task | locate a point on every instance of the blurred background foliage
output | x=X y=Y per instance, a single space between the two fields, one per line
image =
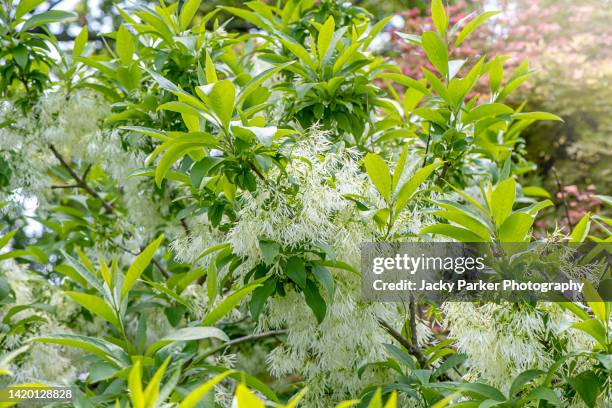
x=567 y=43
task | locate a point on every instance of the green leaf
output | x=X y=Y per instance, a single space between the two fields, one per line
x=515 y=228
x=325 y=278
x=297 y=50
x=151 y=392
x=535 y=191
x=472 y=25
x=451 y=231
x=588 y=386
x=96 y=306
x=296 y=271
x=326 y=34
x=502 y=201
x=255 y=83
x=192 y=399
x=545 y=394
x=379 y=173
x=524 y=378
x=25 y=6
x=221 y=100
x=400 y=355
x=482 y=390
x=439 y=16
x=79 y=42
x=466 y=220
x=594 y=328
x=314 y=300
x=135 y=385
x=496 y=73
x=83 y=273
x=405 y=80
x=269 y=251
x=260 y=296
x=124 y=45
x=581 y=230
x=536 y=116
x=595 y=302
x=138 y=265
x=189 y=10
x=51 y=16
x=211 y=73
x=230 y=302
x=6 y=238
x=436 y=51
x=99 y=347
x=487 y=110
x=188 y=334
x=410 y=187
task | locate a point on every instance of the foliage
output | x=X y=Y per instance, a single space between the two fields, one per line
x=201 y=194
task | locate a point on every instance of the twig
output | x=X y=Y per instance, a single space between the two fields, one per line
x=68 y=186
x=80 y=181
x=185 y=226
x=563 y=197
x=239 y=340
x=427 y=146
x=411 y=345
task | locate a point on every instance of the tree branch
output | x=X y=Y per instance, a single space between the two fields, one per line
x=411 y=345
x=80 y=181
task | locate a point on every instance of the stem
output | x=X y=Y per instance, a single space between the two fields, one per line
x=427 y=146
x=80 y=181
x=563 y=197
x=239 y=340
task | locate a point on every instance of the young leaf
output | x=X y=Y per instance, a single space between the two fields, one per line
x=472 y=25
x=581 y=230
x=515 y=228
x=151 y=392
x=326 y=34
x=51 y=16
x=439 y=16
x=211 y=73
x=192 y=399
x=138 y=265
x=379 y=173
x=135 y=386
x=124 y=45
x=188 y=334
x=451 y=231
x=96 y=306
x=502 y=201
x=189 y=10
x=79 y=42
x=407 y=190
x=230 y=302
x=246 y=399
x=537 y=116
x=25 y=6
x=436 y=51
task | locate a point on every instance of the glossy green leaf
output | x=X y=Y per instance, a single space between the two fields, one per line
x=379 y=174
x=472 y=25
x=439 y=16
x=124 y=45
x=436 y=51
x=95 y=305
x=51 y=16
x=139 y=265
x=189 y=10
